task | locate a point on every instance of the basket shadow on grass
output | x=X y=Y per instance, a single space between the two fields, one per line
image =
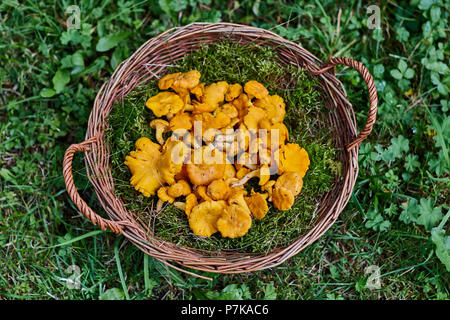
x=129 y=120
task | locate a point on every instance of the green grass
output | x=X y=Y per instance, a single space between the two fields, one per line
x=304 y=108
x=395 y=219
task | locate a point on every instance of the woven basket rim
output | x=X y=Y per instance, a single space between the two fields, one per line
x=147 y=63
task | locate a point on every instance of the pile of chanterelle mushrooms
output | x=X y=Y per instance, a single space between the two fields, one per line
x=222 y=135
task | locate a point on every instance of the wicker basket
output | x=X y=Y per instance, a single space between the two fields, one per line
x=148 y=63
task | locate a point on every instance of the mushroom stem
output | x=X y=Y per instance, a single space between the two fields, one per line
x=180 y=205
x=244 y=179
x=159 y=136
x=159 y=205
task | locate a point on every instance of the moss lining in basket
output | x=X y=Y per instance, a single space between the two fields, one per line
x=149 y=63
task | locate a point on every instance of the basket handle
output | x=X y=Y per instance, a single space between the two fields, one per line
x=373 y=97
x=104 y=224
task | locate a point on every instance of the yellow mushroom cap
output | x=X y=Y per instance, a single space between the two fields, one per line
x=257 y=204
x=282 y=198
x=255 y=89
x=142 y=164
x=268 y=187
x=234 y=90
x=274 y=107
x=294 y=158
x=290 y=180
x=181 y=121
x=201 y=193
x=211 y=166
x=213 y=95
x=234 y=222
x=181 y=188
x=187 y=80
x=171 y=161
x=218 y=190
x=253 y=117
x=164 y=196
x=164 y=103
x=204 y=216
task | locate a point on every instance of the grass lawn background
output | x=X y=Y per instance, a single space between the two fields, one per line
x=395 y=223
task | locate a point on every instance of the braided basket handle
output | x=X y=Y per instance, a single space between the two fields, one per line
x=75 y=196
x=373 y=97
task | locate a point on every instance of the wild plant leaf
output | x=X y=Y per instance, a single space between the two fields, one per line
x=411 y=162
x=111 y=41
x=410 y=211
x=442 y=242
x=429 y=215
x=60 y=80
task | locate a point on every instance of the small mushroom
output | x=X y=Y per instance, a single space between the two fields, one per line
x=181 y=121
x=234 y=222
x=234 y=90
x=257 y=204
x=294 y=158
x=268 y=187
x=282 y=198
x=164 y=103
x=160 y=126
x=201 y=193
x=253 y=117
x=191 y=202
x=178 y=81
x=237 y=198
x=255 y=89
x=218 y=190
x=163 y=197
x=181 y=188
x=274 y=107
x=290 y=180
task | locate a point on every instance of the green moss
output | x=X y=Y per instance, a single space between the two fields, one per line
x=129 y=120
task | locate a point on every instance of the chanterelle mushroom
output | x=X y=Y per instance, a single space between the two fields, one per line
x=274 y=107
x=257 y=204
x=234 y=90
x=282 y=198
x=181 y=188
x=143 y=166
x=263 y=173
x=171 y=161
x=234 y=222
x=294 y=158
x=203 y=171
x=178 y=81
x=164 y=103
x=290 y=180
x=181 y=121
x=160 y=126
x=203 y=217
x=213 y=95
x=218 y=190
